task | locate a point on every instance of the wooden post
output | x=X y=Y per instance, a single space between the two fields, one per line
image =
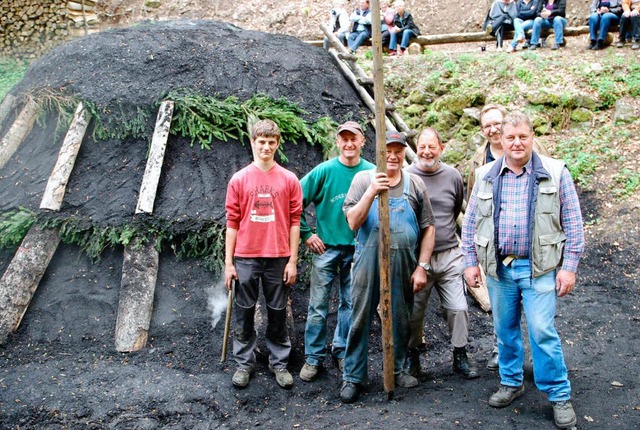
x=57 y=184
x=21 y=279
x=383 y=198
x=152 y=171
x=18 y=131
x=137 y=289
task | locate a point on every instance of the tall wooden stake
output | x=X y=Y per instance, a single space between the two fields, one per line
x=381 y=163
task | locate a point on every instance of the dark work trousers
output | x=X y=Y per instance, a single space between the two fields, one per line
x=252 y=272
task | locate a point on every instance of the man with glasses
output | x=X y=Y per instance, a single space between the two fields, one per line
x=523 y=224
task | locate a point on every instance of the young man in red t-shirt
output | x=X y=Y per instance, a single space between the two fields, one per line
x=263 y=204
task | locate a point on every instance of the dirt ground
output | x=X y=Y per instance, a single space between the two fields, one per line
x=61 y=371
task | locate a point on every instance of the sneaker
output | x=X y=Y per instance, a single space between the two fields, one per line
x=400 y=52
x=405 y=380
x=393 y=52
x=241 y=378
x=592 y=44
x=620 y=44
x=492 y=362
x=505 y=396
x=526 y=44
x=499 y=49
x=283 y=377
x=308 y=372
x=341 y=365
x=462 y=366
x=636 y=45
x=489 y=29
x=555 y=47
x=509 y=49
x=349 y=392
x=599 y=45
x=563 y=414
x=533 y=47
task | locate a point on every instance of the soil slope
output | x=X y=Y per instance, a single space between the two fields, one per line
x=60 y=370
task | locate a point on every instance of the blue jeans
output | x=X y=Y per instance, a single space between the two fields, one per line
x=334 y=262
x=514 y=290
x=599 y=25
x=406 y=36
x=558 y=24
x=356 y=39
x=520 y=29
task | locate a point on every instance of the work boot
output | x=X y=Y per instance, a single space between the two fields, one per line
x=555 y=47
x=283 y=377
x=620 y=44
x=563 y=414
x=308 y=372
x=505 y=396
x=412 y=363
x=492 y=362
x=462 y=365
x=349 y=392
x=405 y=380
x=241 y=378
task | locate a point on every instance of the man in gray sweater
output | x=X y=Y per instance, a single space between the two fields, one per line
x=444 y=184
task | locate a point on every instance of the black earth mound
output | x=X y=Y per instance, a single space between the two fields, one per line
x=130 y=69
x=61 y=371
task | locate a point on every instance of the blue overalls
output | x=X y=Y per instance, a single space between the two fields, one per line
x=365 y=282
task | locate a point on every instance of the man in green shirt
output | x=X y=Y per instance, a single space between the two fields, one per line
x=332 y=245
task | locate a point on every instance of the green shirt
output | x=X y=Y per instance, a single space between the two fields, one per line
x=326 y=187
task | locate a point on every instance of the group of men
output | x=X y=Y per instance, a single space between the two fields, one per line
x=522 y=225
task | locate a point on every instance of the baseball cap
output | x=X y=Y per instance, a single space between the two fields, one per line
x=351 y=126
x=396 y=137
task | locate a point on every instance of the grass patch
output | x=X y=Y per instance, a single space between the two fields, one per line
x=11 y=71
x=14 y=225
x=628 y=182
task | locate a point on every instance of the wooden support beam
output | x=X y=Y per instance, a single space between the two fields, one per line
x=366 y=98
x=152 y=171
x=18 y=131
x=21 y=279
x=6 y=106
x=365 y=81
x=137 y=290
x=57 y=184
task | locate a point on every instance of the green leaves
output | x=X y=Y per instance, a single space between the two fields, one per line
x=14 y=225
x=204 y=118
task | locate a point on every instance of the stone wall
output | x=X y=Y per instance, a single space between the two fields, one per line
x=30 y=27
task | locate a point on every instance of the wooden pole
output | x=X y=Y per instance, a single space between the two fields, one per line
x=381 y=163
x=18 y=131
x=59 y=178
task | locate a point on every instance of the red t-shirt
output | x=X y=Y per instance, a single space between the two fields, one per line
x=263 y=206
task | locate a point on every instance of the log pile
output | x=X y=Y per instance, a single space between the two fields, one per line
x=29 y=28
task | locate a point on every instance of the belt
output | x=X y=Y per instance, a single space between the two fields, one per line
x=508 y=259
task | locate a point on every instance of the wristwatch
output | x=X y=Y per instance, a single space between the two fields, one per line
x=425 y=266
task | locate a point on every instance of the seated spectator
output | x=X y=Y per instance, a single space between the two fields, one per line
x=499 y=19
x=551 y=14
x=527 y=12
x=338 y=23
x=403 y=28
x=630 y=21
x=604 y=14
x=361 y=30
x=387 y=13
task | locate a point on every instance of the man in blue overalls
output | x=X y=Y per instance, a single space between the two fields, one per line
x=412 y=232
